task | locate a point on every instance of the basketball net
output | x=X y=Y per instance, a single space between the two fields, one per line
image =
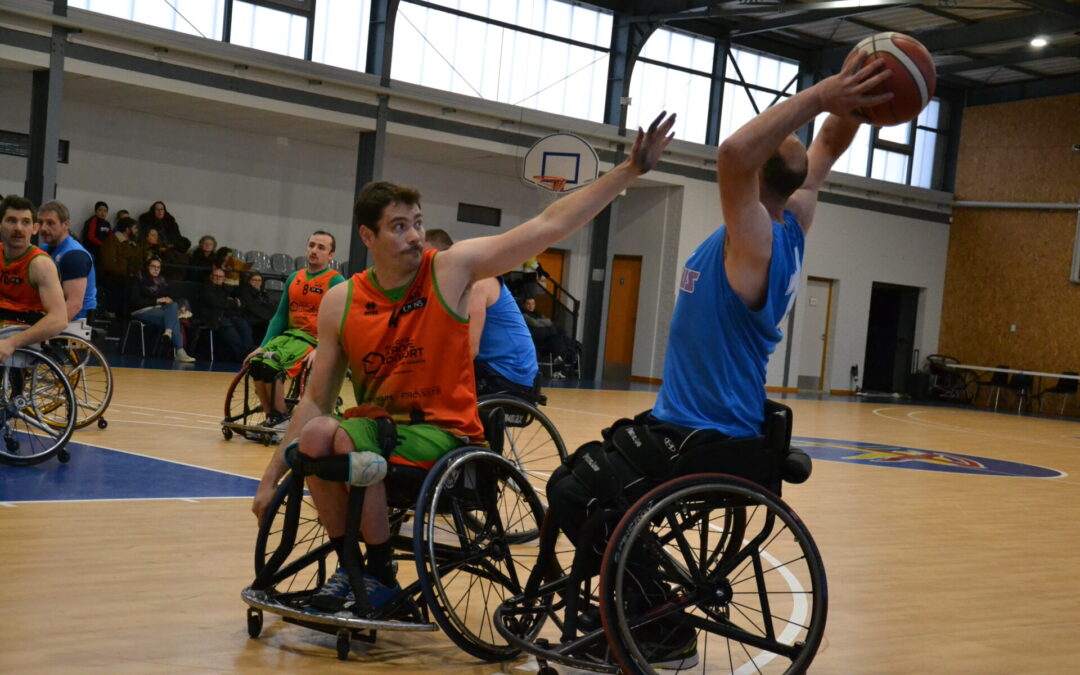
x=550 y=188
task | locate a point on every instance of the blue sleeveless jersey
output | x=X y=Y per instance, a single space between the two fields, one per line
x=506 y=344
x=67 y=246
x=714 y=371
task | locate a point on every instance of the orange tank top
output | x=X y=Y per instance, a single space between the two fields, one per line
x=17 y=293
x=411 y=356
x=306 y=293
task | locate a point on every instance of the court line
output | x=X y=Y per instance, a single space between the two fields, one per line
x=159 y=424
x=164 y=410
x=191 y=500
x=949 y=427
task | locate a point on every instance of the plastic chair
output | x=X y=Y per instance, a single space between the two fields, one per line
x=282 y=264
x=1021 y=386
x=1065 y=387
x=300 y=262
x=996 y=383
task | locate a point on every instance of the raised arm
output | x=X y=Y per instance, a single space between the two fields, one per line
x=467 y=261
x=829 y=143
x=484 y=293
x=320 y=394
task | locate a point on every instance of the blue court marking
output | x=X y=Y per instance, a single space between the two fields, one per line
x=96 y=473
x=899 y=457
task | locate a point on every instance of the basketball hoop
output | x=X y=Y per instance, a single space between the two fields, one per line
x=557 y=183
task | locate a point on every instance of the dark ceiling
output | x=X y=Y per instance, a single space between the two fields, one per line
x=981 y=47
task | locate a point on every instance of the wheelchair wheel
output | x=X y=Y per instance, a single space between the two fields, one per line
x=304 y=566
x=477 y=520
x=37 y=408
x=530 y=440
x=89 y=373
x=709 y=567
x=241 y=403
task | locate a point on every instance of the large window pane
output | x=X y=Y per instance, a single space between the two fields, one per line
x=922 y=172
x=341 y=33
x=467 y=56
x=655 y=88
x=268 y=29
x=890 y=166
x=549 y=16
x=899 y=133
x=930 y=114
x=195 y=17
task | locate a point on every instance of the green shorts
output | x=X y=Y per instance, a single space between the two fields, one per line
x=418 y=444
x=289 y=349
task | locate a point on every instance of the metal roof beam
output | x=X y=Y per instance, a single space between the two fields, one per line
x=1013 y=56
x=1060 y=7
x=805 y=17
x=1019 y=91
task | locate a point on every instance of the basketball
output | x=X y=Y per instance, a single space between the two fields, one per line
x=912 y=81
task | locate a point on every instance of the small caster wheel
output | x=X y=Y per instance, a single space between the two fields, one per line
x=344 y=644
x=227 y=433
x=254 y=621
x=547 y=670
x=102 y=423
x=64 y=456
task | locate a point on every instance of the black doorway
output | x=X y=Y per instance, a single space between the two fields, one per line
x=890 y=337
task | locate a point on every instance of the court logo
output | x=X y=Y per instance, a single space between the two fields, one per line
x=875 y=454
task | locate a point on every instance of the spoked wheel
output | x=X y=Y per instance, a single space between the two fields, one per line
x=37 y=408
x=478 y=521
x=241 y=402
x=303 y=567
x=709 y=569
x=90 y=376
x=530 y=440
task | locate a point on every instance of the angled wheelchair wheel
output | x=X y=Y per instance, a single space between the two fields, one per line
x=37 y=409
x=710 y=569
x=530 y=440
x=242 y=407
x=478 y=522
x=89 y=373
x=302 y=565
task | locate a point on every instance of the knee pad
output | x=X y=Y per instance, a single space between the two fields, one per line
x=263 y=372
x=360 y=469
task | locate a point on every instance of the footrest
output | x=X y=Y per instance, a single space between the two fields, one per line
x=268 y=603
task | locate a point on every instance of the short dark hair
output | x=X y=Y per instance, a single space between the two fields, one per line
x=56 y=207
x=375 y=197
x=98 y=205
x=440 y=239
x=17 y=203
x=781 y=178
x=333 y=242
x=205 y=237
x=126 y=223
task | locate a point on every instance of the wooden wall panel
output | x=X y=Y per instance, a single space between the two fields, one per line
x=1008 y=266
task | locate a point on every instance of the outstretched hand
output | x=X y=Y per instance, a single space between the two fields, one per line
x=851 y=89
x=649 y=145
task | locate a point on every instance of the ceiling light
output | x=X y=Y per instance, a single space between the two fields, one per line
x=1038 y=42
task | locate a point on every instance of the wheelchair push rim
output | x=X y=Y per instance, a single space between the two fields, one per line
x=37 y=409
x=734 y=576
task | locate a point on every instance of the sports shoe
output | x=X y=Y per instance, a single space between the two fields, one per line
x=378 y=593
x=675 y=647
x=336 y=594
x=166 y=334
x=182 y=357
x=184 y=314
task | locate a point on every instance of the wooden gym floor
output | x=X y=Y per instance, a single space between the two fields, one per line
x=929 y=571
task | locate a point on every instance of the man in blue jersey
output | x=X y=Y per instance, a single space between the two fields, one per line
x=74 y=262
x=502 y=348
x=735 y=291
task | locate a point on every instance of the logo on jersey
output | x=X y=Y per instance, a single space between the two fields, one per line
x=419 y=303
x=898 y=457
x=11 y=280
x=371 y=308
x=689 y=278
x=401 y=351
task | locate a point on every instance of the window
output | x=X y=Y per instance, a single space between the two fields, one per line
x=195 y=17
x=754 y=82
x=672 y=73
x=563 y=73
x=268 y=29
x=341 y=33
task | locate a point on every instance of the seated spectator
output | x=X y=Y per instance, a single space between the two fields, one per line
x=96 y=230
x=233 y=266
x=255 y=304
x=203 y=259
x=151 y=303
x=153 y=246
x=547 y=336
x=159 y=217
x=221 y=312
x=120 y=216
x=176 y=259
x=121 y=260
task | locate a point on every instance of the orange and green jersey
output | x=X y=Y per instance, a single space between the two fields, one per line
x=299 y=306
x=409 y=353
x=18 y=295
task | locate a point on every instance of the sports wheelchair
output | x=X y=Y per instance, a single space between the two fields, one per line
x=949 y=383
x=529 y=439
x=37 y=406
x=469 y=525
x=706 y=572
x=244 y=413
x=88 y=371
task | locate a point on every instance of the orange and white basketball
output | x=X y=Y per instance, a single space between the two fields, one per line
x=913 y=77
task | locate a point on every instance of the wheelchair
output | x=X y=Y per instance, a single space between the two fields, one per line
x=244 y=413
x=530 y=440
x=37 y=407
x=706 y=572
x=948 y=383
x=87 y=370
x=469 y=528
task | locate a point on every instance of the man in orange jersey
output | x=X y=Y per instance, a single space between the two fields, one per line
x=293 y=333
x=30 y=291
x=402 y=327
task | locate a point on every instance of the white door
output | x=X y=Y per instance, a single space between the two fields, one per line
x=815 y=333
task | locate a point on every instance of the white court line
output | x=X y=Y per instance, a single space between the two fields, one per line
x=136 y=412
x=7 y=505
x=159 y=424
x=126 y=499
x=178 y=419
x=948 y=427
x=165 y=410
x=170 y=461
x=580 y=412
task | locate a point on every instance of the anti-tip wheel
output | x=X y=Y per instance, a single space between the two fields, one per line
x=227 y=433
x=344 y=644
x=102 y=423
x=64 y=456
x=254 y=622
